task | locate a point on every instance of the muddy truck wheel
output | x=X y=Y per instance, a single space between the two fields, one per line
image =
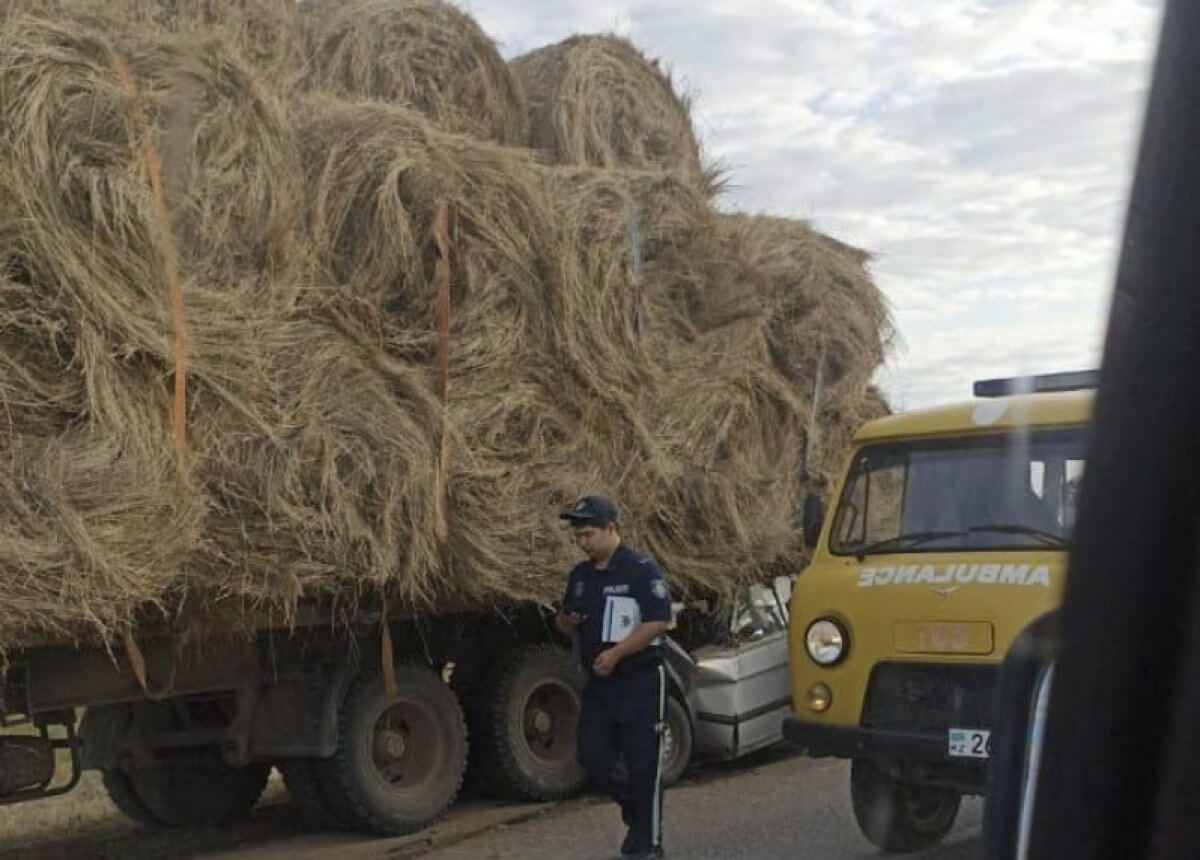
x=187 y=792
x=303 y=784
x=177 y=791
x=102 y=727
x=524 y=720
x=400 y=759
x=896 y=816
x=119 y=788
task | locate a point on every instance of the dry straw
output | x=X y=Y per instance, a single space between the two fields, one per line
x=264 y=33
x=756 y=305
x=425 y=54
x=596 y=100
x=87 y=336
x=602 y=327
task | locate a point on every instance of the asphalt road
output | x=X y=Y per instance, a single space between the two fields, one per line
x=778 y=810
x=774 y=805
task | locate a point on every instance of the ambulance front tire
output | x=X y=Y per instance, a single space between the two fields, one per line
x=896 y=816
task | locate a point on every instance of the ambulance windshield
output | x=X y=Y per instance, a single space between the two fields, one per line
x=1014 y=491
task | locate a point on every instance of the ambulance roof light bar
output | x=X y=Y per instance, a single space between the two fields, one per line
x=1075 y=380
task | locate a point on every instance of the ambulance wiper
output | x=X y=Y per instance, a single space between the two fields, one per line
x=1048 y=538
x=903 y=541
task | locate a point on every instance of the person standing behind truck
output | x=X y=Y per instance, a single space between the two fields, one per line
x=618 y=603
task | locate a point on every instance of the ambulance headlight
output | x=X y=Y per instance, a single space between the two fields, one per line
x=826 y=642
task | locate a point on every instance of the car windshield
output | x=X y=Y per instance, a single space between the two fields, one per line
x=998 y=492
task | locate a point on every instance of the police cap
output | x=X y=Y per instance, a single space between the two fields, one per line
x=591 y=511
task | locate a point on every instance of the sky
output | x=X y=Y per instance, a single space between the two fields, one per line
x=981 y=150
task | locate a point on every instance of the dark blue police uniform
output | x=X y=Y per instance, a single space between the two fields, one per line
x=622 y=715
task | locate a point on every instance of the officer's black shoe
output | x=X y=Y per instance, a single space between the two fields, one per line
x=629 y=849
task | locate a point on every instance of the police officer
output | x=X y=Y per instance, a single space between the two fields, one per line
x=618 y=605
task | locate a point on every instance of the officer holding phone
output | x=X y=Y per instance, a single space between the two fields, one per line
x=618 y=607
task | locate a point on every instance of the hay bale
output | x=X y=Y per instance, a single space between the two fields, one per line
x=380 y=171
x=849 y=322
x=839 y=421
x=604 y=311
x=597 y=100
x=71 y=163
x=750 y=308
x=874 y=405
x=78 y=223
x=335 y=494
x=264 y=33
x=92 y=527
x=789 y=299
x=322 y=443
x=358 y=488
x=422 y=53
x=86 y=350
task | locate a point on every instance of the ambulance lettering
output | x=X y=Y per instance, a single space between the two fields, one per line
x=960 y=574
x=989 y=573
x=1014 y=574
x=1040 y=576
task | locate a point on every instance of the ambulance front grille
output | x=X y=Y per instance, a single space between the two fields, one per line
x=929 y=698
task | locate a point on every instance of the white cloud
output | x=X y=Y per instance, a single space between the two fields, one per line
x=982 y=149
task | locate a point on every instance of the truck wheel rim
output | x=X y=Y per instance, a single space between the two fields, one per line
x=407 y=747
x=548 y=720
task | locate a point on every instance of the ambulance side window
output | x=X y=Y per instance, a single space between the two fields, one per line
x=850 y=524
x=873 y=508
x=885 y=512
x=1057 y=482
x=1037 y=478
x=1074 y=483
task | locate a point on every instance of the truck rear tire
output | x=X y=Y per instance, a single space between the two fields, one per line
x=400 y=759
x=187 y=792
x=677 y=742
x=896 y=816
x=192 y=790
x=119 y=788
x=524 y=725
x=304 y=788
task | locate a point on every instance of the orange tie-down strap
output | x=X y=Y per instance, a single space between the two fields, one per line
x=387 y=656
x=137 y=662
x=158 y=202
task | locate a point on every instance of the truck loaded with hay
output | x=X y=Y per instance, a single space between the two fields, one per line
x=312 y=318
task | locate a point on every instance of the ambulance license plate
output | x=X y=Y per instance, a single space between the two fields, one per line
x=970 y=743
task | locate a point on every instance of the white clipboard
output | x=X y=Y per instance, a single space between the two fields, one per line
x=622 y=616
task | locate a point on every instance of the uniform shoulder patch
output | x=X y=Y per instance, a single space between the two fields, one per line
x=659 y=588
x=643 y=560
